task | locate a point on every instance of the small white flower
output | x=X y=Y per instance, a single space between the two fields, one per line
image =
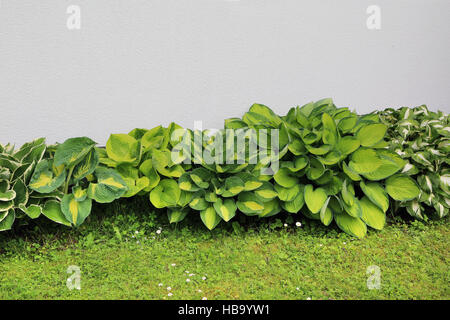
x=132 y=236
x=298 y=224
x=199 y=290
x=169 y=288
x=160 y=285
x=170 y=294
x=320 y=245
x=297 y=288
x=203 y=278
x=154 y=237
x=345 y=242
x=192 y=274
x=136 y=232
x=137 y=241
x=173 y=264
x=309 y=298
x=285 y=224
x=188 y=280
x=204 y=298
x=186 y=271
x=158 y=231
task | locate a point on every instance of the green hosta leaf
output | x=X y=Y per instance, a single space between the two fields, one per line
x=326 y=215
x=79 y=193
x=261 y=114
x=166 y=194
x=153 y=138
x=185 y=183
x=33 y=211
x=354 y=209
x=294 y=205
x=401 y=188
x=348 y=145
x=249 y=203
x=285 y=178
x=109 y=187
x=375 y=192
x=225 y=209
x=86 y=166
x=315 y=199
x=297 y=147
x=210 y=218
x=250 y=181
x=319 y=150
x=444 y=183
x=146 y=168
x=200 y=177
x=365 y=161
x=351 y=225
x=316 y=169
x=47 y=178
x=390 y=164
x=123 y=148
x=177 y=214
x=371 y=134
x=372 y=215
x=7 y=222
x=266 y=192
x=347 y=124
x=72 y=151
x=75 y=211
x=350 y=173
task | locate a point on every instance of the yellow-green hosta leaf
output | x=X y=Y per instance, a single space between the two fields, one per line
x=285 y=178
x=288 y=194
x=249 y=204
x=266 y=192
x=371 y=134
x=210 y=218
x=365 y=161
x=251 y=182
x=47 y=178
x=315 y=199
x=177 y=214
x=350 y=173
x=7 y=222
x=372 y=215
x=72 y=151
x=233 y=186
x=295 y=204
x=75 y=211
x=326 y=215
x=354 y=209
x=346 y=124
x=351 y=225
x=198 y=202
x=153 y=138
x=185 y=183
x=225 y=209
x=33 y=210
x=348 y=145
x=319 y=150
x=123 y=148
x=391 y=163
x=146 y=168
x=401 y=187
x=316 y=169
x=376 y=193
x=166 y=194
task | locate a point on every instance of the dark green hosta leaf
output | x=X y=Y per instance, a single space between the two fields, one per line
x=33 y=211
x=8 y=195
x=46 y=177
x=21 y=193
x=401 y=187
x=177 y=214
x=75 y=211
x=8 y=220
x=72 y=151
x=109 y=187
x=86 y=166
x=233 y=186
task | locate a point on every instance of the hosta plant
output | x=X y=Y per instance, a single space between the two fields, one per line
x=70 y=179
x=17 y=201
x=422 y=138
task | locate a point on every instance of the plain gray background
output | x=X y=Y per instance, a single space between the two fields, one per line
x=143 y=63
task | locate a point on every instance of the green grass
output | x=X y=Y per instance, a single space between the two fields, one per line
x=264 y=261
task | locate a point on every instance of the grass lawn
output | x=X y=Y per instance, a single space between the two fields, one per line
x=121 y=256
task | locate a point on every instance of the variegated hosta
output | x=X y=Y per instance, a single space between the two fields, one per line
x=422 y=138
x=16 y=168
x=143 y=158
x=71 y=178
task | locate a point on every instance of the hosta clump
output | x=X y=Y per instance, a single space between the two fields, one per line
x=335 y=164
x=17 y=201
x=69 y=178
x=422 y=138
x=217 y=188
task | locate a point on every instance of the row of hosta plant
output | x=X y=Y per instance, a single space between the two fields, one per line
x=334 y=166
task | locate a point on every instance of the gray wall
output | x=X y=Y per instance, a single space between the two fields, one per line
x=143 y=63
